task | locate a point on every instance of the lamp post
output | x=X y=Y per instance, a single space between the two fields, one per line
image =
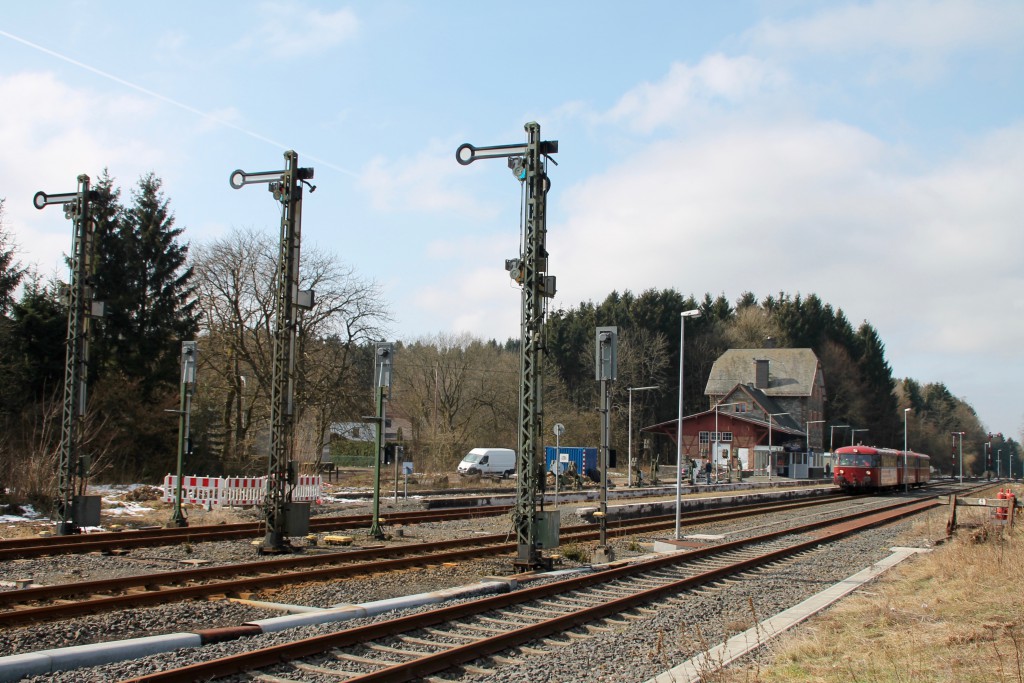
x=629 y=439
x=771 y=456
x=999 y=463
x=679 y=425
x=853 y=433
x=906 y=484
x=832 y=440
x=808 y=444
x=718 y=436
x=961 y=456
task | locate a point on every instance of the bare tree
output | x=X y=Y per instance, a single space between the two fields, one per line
x=235 y=279
x=458 y=392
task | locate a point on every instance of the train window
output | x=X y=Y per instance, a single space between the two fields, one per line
x=857 y=460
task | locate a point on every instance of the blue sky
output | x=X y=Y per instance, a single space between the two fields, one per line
x=869 y=152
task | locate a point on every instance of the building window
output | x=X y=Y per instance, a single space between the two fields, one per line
x=740 y=407
x=708 y=437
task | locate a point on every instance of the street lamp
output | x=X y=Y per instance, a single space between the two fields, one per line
x=629 y=446
x=832 y=441
x=961 y=435
x=808 y=444
x=906 y=484
x=853 y=433
x=999 y=463
x=771 y=456
x=679 y=426
x=714 y=456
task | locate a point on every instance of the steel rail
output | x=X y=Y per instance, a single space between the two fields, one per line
x=16 y=548
x=433 y=663
x=164 y=587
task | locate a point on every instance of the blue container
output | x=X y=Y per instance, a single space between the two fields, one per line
x=585 y=458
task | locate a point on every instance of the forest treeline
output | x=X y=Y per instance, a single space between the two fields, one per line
x=453 y=391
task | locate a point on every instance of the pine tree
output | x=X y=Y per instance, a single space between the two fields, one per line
x=11 y=274
x=11 y=271
x=143 y=278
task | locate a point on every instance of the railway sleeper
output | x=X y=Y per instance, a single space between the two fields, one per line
x=372 y=661
x=578 y=636
x=555 y=643
x=387 y=649
x=267 y=678
x=482 y=629
x=565 y=599
x=428 y=643
x=512 y=622
x=314 y=669
x=550 y=612
x=450 y=634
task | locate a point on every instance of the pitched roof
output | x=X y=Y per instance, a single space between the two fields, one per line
x=783 y=421
x=790 y=371
x=669 y=426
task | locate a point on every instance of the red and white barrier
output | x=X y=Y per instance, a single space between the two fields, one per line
x=235 y=491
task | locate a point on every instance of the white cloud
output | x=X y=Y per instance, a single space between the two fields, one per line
x=63 y=131
x=808 y=206
x=423 y=182
x=290 y=30
x=685 y=89
x=905 y=37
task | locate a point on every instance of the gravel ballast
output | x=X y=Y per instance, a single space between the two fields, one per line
x=632 y=652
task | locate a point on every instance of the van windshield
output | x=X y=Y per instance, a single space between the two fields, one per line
x=472 y=457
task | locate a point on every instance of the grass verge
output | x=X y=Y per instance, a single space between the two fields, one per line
x=955 y=615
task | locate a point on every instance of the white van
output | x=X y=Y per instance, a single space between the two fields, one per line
x=499 y=462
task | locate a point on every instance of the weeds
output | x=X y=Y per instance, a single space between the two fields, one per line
x=575 y=553
x=952 y=616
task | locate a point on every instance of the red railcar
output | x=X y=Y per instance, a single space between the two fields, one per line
x=863 y=468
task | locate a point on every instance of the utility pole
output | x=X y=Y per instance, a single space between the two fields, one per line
x=74 y=509
x=188 y=388
x=382 y=386
x=286 y=186
x=528 y=163
x=606 y=371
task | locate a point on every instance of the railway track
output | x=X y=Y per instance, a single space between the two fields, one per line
x=47 y=603
x=542 y=616
x=109 y=541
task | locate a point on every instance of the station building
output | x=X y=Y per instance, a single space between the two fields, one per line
x=765 y=412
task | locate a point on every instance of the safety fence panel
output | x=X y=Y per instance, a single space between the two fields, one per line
x=236 y=491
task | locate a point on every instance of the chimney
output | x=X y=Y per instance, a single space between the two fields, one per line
x=761 y=373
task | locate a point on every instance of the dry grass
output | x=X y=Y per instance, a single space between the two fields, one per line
x=954 y=615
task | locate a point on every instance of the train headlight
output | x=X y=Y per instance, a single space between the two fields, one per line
x=868 y=473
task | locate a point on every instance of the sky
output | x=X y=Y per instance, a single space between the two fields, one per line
x=871 y=153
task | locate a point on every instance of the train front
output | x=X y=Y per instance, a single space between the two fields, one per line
x=857 y=469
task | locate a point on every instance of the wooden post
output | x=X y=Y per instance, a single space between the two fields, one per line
x=951 y=523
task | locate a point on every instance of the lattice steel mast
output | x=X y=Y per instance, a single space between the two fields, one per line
x=286 y=186
x=530 y=270
x=80 y=304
